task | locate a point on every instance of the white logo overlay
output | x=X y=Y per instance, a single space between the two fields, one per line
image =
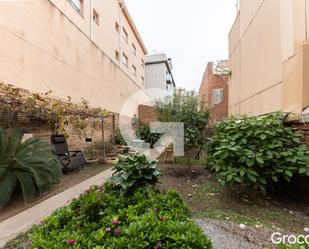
x=279 y=238
x=172 y=133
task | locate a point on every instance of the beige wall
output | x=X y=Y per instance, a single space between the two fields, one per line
x=47 y=45
x=306 y=77
x=267 y=71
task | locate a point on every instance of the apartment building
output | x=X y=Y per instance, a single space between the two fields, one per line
x=87 y=49
x=159 y=72
x=269 y=58
x=213 y=92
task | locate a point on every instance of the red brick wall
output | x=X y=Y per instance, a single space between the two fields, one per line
x=210 y=82
x=147 y=114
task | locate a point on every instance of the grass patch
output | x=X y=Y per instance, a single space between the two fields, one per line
x=190 y=161
x=224 y=204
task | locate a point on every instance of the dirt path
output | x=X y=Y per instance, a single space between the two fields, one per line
x=225 y=235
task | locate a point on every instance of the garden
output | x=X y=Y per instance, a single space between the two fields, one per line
x=238 y=182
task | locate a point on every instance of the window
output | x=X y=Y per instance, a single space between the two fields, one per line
x=133 y=49
x=143 y=80
x=96 y=17
x=134 y=69
x=217 y=96
x=77 y=5
x=143 y=63
x=125 y=59
x=117 y=56
x=117 y=27
x=125 y=35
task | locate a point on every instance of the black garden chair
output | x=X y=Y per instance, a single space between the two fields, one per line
x=71 y=160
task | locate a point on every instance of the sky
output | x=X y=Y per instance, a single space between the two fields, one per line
x=191 y=32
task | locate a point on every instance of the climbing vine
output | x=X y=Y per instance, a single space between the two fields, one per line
x=58 y=114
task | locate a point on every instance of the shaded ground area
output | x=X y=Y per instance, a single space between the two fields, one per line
x=207 y=199
x=17 y=204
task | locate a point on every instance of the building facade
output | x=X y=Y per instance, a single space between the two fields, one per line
x=213 y=91
x=87 y=49
x=269 y=58
x=158 y=73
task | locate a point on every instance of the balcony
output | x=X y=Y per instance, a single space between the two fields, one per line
x=169 y=79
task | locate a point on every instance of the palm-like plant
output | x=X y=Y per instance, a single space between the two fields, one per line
x=27 y=165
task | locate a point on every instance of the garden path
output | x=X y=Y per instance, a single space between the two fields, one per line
x=226 y=235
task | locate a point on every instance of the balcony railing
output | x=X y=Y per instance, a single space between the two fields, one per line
x=169 y=79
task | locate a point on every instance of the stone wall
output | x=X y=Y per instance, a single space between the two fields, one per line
x=93 y=131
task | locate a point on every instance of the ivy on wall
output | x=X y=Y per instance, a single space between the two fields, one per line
x=54 y=113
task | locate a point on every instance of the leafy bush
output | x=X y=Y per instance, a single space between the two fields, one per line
x=26 y=165
x=133 y=172
x=186 y=108
x=119 y=140
x=143 y=133
x=257 y=151
x=147 y=219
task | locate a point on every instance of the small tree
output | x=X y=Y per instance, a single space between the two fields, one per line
x=184 y=106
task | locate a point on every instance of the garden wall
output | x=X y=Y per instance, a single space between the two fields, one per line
x=147 y=114
x=93 y=129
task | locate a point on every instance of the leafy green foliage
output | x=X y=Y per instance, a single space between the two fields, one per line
x=143 y=133
x=26 y=165
x=186 y=108
x=294 y=246
x=133 y=172
x=42 y=107
x=119 y=140
x=147 y=219
x=257 y=151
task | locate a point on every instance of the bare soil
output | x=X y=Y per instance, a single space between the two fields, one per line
x=207 y=198
x=17 y=205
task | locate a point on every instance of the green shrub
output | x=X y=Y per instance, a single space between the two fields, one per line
x=257 y=151
x=147 y=219
x=185 y=107
x=143 y=133
x=26 y=165
x=133 y=172
x=119 y=140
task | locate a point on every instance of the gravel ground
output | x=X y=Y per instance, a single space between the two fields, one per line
x=225 y=235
